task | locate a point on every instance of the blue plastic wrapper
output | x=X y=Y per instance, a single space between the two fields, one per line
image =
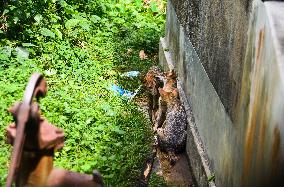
x=121 y=91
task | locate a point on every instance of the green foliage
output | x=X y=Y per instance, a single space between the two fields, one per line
x=157 y=181
x=81 y=48
x=211 y=178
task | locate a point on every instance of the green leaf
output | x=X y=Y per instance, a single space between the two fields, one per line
x=47 y=32
x=71 y=23
x=86 y=167
x=154 y=6
x=117 y=130
x=95 y=18
x=12 y=7
x=16 y=19
x=11 y=88
x=22 y=52
x=211 y=178
x=6 y=50
x=88 y=121
x=138 y=3
x=85 y=26
x=38 y=18
x=105 y=106
x=5 y=11
x=50 y=72
x=58 y=33
x=28 y=14
x=28 y=45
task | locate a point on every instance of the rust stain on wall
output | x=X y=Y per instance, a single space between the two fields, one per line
x=255 y=109
x=261 y=139
x=260 y=45
x=275 y=152
x=263 y=116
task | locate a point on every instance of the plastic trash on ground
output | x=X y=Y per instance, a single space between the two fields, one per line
x=122 y=92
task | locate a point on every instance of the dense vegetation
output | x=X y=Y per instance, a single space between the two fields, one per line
x=82 y=47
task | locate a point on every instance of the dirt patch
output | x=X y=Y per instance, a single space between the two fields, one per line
x=178 y=175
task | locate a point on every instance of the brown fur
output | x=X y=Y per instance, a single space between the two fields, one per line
x=169 y=85
x=152 y=82
x=171 y=81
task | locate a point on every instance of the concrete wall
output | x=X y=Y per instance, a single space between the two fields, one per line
x=229 y=58
x=217 y=30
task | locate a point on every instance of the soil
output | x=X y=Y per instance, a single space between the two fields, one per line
x=178 y=175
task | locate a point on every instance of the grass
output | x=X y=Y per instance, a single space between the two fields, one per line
x=157 y=181
x=82 y=47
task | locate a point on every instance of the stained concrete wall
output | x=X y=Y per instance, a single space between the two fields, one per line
x=229 y=58
x=217 y=30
